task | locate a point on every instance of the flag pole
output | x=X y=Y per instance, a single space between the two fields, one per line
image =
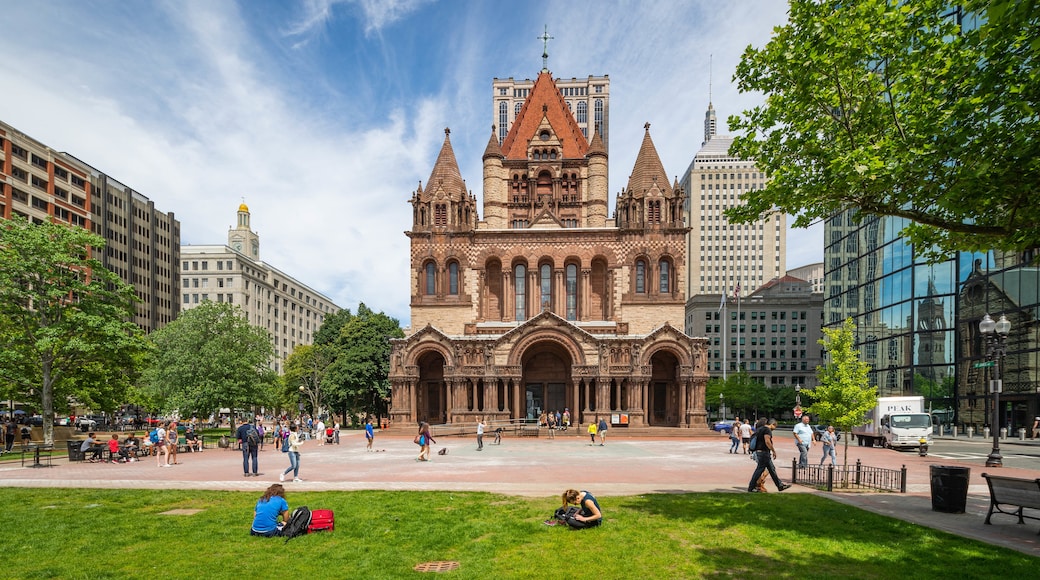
x=738 y=327
x=725 y=343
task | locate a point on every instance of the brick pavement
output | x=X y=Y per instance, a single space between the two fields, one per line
x=540 y=467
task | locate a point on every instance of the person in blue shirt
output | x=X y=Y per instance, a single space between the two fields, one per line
x=370 y=434
x=269 y=508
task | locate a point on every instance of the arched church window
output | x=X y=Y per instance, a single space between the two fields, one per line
x=571 y=281
x=520 y=283
x=431 y=278
x=552 y=155
x=545 y=282
x=640 y=277
x=665 y=273
x=453 y=278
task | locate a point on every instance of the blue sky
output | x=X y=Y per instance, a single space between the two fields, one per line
x=324 y=115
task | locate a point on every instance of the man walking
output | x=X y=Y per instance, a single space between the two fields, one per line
x=249 y=440
x=803 y=436
x=764 y=455
x=601 y=430
x=480 y=434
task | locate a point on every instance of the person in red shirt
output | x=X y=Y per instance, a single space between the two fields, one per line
x=115 y=451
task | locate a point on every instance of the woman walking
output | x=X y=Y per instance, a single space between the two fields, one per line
x=292 y=446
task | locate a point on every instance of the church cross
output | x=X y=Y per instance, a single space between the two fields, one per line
x=545 y=38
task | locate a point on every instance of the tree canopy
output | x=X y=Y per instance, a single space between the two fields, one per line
x=844 y=395
x=66 y=326
x=900 y=109
x=210 y=357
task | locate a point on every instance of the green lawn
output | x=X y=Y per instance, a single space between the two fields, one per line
x=88 y=533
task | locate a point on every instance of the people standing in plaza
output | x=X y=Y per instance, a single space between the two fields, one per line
x=803 y=437
x=829 y=441
x=269 y=508
x=566 y=417
x=601 y=430
x=480 y=434
x=589 y=516
x=425 y=439
x=162 y=452
x=551 y=419
x=320 y=429
x=249 y=441
x=172 y=438
x=292 y=447
x=592 y=433
x=10 y=433
x=745 y=435
x=734 y=435
x=370 y=434
x=764 y=454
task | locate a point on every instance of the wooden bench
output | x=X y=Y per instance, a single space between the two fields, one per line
x=1013 y=491
x=528 y=432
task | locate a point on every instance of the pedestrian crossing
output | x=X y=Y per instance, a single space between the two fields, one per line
x=970 y=456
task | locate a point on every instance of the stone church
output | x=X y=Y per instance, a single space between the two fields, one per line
x=548 y=303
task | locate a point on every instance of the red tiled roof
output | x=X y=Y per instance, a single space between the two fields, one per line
x=545 y=101
x=446 y=172
x=648 y=169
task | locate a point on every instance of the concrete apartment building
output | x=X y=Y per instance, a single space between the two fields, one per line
x=772 y=335
x=722 y=256
x=142 y=242
x=271 y=299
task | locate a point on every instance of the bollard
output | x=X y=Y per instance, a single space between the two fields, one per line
x=1021 y=433
x=985 y=432
x=1003 y=433
x=954 y=431
x=971 y=432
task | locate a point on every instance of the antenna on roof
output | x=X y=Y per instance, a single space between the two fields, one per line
x=545 y=38
x=709 y=78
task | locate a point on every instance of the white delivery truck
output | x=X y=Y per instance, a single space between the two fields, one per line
x=896 y=422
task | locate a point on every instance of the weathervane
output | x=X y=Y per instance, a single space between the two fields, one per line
x=545 y=38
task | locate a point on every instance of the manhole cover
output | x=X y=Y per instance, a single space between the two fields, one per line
x=436 y=567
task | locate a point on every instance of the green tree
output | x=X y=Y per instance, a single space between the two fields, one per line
x=306 y=367
x=357 y=377
x=844 y=395
x=66 y=325
x=891 y=108
x=210 y=357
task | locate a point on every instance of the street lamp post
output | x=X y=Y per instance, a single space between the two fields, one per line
x=995 y=334
x=299 y=400
x=722 y=407
x=797 y=401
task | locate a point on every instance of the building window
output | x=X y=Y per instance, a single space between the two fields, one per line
x=583 y=112
x=503 y=119
x=640 y=277
x=453 y=278
x=545 y=280
x=665 y=286
x=598 y=107
x=431 y=279
x=572 y=291
x=520 y=273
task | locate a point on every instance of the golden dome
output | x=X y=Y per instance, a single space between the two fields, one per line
x=243 y=207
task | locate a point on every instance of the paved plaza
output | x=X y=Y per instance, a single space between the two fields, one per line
x=540 y=467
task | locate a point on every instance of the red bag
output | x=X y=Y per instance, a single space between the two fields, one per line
x=321 y=520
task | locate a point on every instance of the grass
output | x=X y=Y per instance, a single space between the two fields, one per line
x=97 y=534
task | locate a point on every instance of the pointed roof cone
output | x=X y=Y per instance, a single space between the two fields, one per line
x=648 y=169
x=492 y=149
x=596 y=146
x=445 y=174
x=545 y=102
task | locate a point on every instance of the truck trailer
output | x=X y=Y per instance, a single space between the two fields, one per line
x=896 y=422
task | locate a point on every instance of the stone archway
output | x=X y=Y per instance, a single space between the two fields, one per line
x=663 y=391
x=546 y=379
x=431 y=399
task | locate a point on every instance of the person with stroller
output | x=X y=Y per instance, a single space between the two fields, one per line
x=271 y=506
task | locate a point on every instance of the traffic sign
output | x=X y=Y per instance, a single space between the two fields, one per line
x=983 y=365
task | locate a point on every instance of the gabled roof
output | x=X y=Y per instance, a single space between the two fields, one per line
x=545 y=103
x=648 y=170
x=446 y=175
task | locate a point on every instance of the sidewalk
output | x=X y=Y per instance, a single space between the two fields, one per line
x=624 y=466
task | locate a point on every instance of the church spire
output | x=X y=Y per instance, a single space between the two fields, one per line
x=545 y=38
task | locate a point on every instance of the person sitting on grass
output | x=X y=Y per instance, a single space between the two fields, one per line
x=589 y=516
x=269 y=508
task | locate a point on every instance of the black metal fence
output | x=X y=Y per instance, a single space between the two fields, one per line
x=856 y=477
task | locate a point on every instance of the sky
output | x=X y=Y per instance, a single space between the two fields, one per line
x=324 y=115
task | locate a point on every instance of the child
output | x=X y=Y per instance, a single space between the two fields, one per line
x=114 y=450
x=592 y=433
x=370 y=434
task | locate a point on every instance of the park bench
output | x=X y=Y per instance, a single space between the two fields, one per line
x=1012 y=491
x=529 y=431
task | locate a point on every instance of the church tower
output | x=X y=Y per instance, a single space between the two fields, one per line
x=243 y=239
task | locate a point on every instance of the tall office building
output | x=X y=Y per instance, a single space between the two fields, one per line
x=288 y=309
x=141 y=243
x=588 y=100
x=722 y=256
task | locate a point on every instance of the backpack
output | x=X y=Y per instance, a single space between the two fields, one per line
x=285 y=443
x=154 y=436
x=753 y=444
x=298 y=523
x=252 y=437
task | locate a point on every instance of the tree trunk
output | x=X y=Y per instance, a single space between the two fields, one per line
x=47 y=400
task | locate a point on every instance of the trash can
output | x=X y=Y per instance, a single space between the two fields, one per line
x=74 y=453
x=949 y=488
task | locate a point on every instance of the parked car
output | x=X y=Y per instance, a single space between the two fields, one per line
x=723 y=426
x=85 y=423
x=819 y=429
